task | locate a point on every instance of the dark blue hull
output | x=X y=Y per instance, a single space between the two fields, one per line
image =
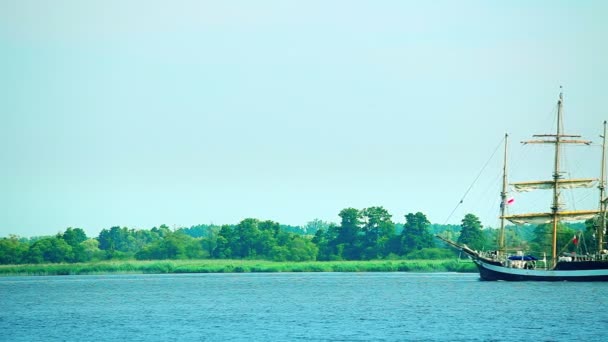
x=494 y=272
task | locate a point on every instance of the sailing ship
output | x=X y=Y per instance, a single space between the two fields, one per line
x=500 y=265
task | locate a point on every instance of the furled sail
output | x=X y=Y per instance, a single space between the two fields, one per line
x=561 y=184
x=540 y=218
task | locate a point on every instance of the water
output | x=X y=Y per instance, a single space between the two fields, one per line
x=298 y=306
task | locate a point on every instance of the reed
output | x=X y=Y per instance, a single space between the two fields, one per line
x=237 y=266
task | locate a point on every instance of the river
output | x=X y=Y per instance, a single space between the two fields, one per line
x=298 y=306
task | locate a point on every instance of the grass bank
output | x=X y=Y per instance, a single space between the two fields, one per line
x=237 y=266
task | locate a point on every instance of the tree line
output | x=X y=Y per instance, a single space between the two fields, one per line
x=365 y=234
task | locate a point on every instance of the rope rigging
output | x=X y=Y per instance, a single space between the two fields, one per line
x=475 y=180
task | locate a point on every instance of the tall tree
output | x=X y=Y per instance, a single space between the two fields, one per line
x=74 y=236
x=378 y=229
x=348 y=237
x=267 y=238
x=114 y=239
x=415 y=234
x=225 y=241
x=247 y=232
x=327 y=242
x=471 y=233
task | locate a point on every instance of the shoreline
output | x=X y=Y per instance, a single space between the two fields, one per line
x=235 y=266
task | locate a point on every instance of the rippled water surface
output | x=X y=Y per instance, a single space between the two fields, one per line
x=299 y=306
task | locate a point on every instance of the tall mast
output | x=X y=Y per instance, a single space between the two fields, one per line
x=503 y=198
x=556 y=177
x=558 y=139
x=600 y=230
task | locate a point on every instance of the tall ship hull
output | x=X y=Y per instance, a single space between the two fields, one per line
x=489 y=271
x=492 y=269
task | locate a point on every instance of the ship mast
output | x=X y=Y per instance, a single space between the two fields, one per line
x=600 y=231
x=556 y=177
x=555 y=184
x=503 y=200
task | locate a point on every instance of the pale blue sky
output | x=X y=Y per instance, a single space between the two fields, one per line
x=139 y=113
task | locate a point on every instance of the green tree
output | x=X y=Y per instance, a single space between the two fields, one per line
x=176 y=245
x=269 y=231
x=347 y=241
x=246 y=233
x=114 y=239
x=378 y=229
x=12 y=251
x=301 y=249
x=210 y=239
x=590 y=237
x=140 y=238
x=89 y=250
x=432 y=254
x=313 y=226
x=327 y=242
x=52 y=250
x=74 y=236
x=161 y=231
x=543 y=239
x=415 y=234
x=225 y=240
x=471 y=233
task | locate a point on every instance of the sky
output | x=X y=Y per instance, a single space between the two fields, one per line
x=141 y=113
